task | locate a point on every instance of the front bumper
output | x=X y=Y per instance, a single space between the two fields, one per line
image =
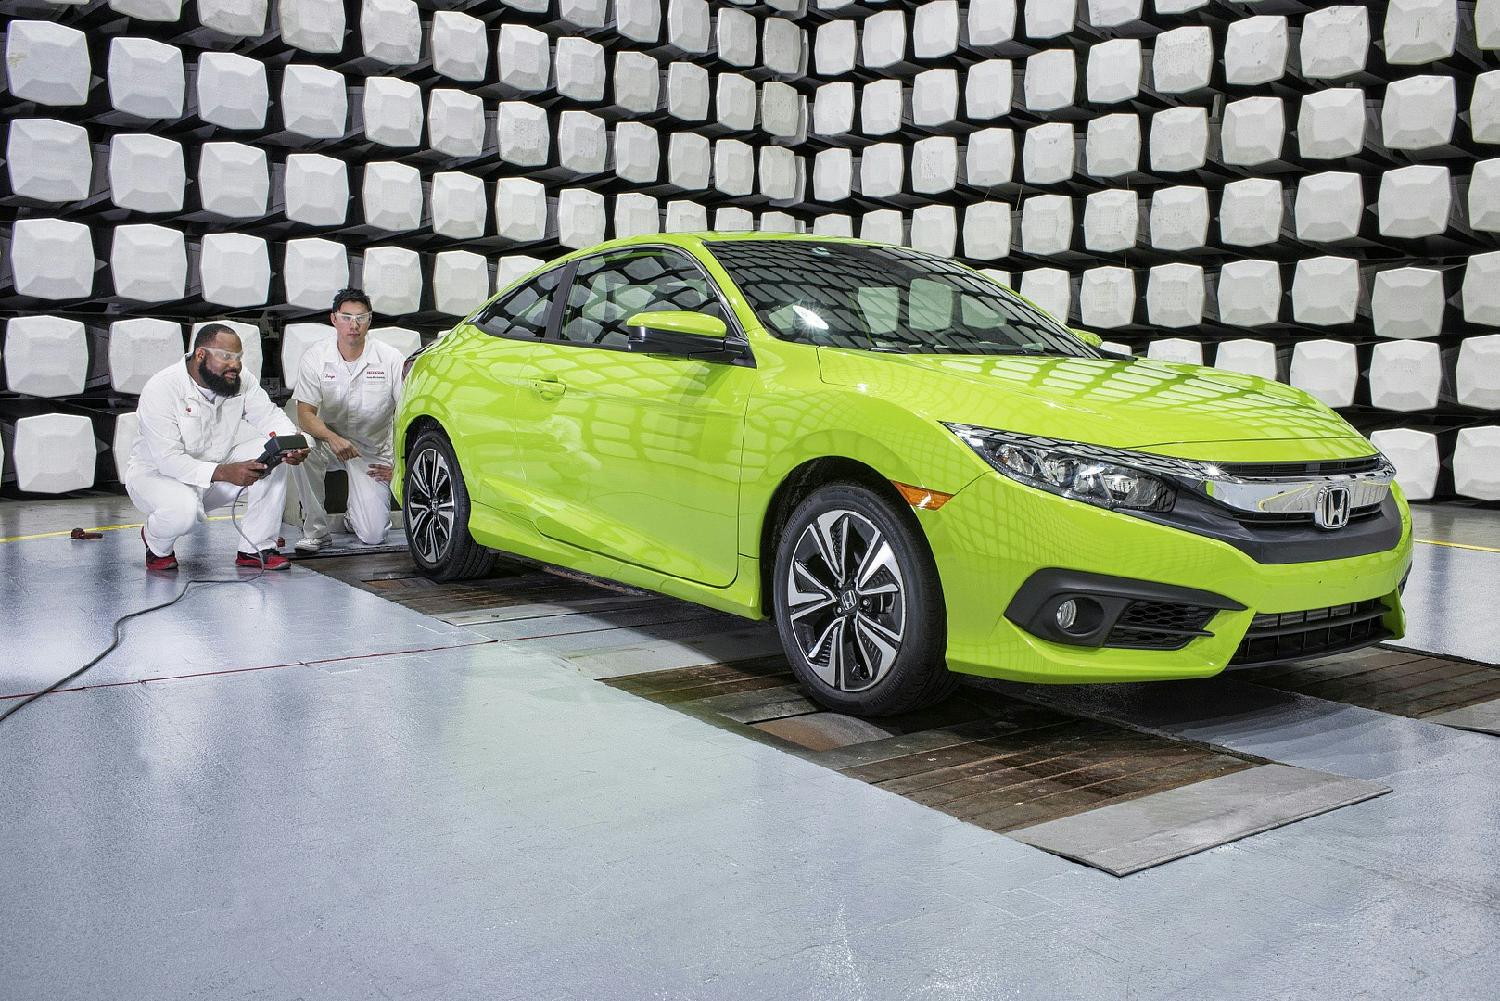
x=995 y=535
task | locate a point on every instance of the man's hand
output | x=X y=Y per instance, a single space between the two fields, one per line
x=380 y=471
x=295 y=457
x=343 y=447
x=241 y=474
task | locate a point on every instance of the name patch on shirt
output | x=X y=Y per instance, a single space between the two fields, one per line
x=330 y=373
x=374 y=373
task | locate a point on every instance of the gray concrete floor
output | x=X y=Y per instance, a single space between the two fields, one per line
x=291 y=789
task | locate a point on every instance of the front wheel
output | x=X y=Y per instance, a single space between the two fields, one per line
x=435 y=511
x=859 y=605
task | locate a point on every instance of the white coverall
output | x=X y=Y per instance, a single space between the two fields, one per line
x=183 y=436
x=357 y=400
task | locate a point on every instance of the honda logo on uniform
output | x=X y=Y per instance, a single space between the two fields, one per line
x=1332 y=507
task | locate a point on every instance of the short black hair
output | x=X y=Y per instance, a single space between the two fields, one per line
x=208 y=332
x=344 y=295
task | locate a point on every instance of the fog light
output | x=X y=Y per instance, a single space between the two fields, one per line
x=1067 y=614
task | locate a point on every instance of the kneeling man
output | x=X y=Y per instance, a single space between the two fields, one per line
x=200 y=433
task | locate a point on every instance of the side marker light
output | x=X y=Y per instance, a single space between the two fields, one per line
x=920 y=497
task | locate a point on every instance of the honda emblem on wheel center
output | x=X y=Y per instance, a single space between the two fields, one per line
x=1332 y=507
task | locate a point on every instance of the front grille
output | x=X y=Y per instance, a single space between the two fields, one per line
x=1263 y=519
x=1289 y=636
x=1159 y=625
x=1299 y=470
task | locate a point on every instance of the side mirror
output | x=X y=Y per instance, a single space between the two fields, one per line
x=682 y=333
x=1088 y=337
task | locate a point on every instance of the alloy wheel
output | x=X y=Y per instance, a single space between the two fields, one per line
x=429 y=505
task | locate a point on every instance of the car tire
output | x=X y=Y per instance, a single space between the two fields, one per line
x=859 y=605
x=435 y=512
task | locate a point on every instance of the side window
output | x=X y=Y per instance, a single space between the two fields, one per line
x=607 y=291
x=523 y=313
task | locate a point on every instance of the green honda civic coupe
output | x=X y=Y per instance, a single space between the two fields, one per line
x=912 y=470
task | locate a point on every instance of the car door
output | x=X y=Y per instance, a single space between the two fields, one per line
x=496 y=361
x=630 y=455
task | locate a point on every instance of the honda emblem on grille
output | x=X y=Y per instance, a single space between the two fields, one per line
x=1332 y=507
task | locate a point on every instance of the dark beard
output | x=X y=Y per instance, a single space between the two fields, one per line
x=220 y=384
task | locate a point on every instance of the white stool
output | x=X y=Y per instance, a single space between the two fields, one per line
x=140 y=348
x=1047 y=153
x=1476 y=373
x=1325 y=291
x=1179 y=139
x=735 y=37
x=49 y=160
x=232 y=91
x=1182 y=60
x=523 y=57
x=313 y=269
x=580 y=218
x=1331 y=124
x=989 y=90
x=392 y=196
x=689 y=161
x=833 y=109
x=637 y=82
x=1256 y=50
x=525 y=135
x=1175 y=296
x=779 y=176
x=393 y=112
x=458 y=205
x=1106 y=298
x=880 y=105
x=314 y=102
x=1481 y=289
x=1250 y=212
x=1176 y=349
x=1415 y=456
x=315 y=189
x=1408 y=302
x=1418 y=112
x=1051 y=289
x=234 y=270
x=1050 y=81
x=636 y=214
x=684 y=216
x=146 y=173
x=1111 y=220
x=1046 y=224
x=934 y=98
x=390 y=31
x=46 y=356
x=1334 y=42
x=51 y=259
x=1329 y=206
x=520 y=209
x=455 y=123
x=687 y=92
x=1415 y=201
x=1405 y=375
x=1327 y=369
x=1179 y=218
x=146 y=78
x=1476 y=463
x=1112 y=145
x=393 y=278
x=990 y=157
x=1249 y=293
x=46 y=63
x=53 y=453
x=1419 y=31
x=1249 y=356
x=934 y=229
x=1114 y=71
x=460 y=47
x=578 y=68
x=312 y=25
x=934 y=165
x=986 y=231
x=1253 y=131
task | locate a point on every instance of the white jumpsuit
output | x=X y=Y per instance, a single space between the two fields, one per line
x=358 y=400
x=185 y=433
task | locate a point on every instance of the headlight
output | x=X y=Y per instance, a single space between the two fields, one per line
x=1106 y=477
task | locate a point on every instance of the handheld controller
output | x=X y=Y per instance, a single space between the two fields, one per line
x=277 y=447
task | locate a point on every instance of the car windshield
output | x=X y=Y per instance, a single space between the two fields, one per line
x=878 y=298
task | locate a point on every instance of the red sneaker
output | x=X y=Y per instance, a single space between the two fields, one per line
x=274 y=560
x=154 y=562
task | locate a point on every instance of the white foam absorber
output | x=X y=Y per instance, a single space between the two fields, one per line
x=687 y=92
x=1179 y=139
x=146 y=78
x=638 y=20
x=1046 y=224
x=46 y=356
x=392 y=196
x=146 y=173
x=51 y=259
x=734 y=167
x=460 y=48
x=455 y=123
x=1247 y=355
x=1114 y=71
x=1179 y=217
x=1334 y=42
x=233 y=180
x=53 y=453
x=735 y=37
x=1476 y=373
x=249 y=335
x=1326 y=291
x=999 y=277
x=520 y=209
x=990 y=157
x=1106 y=297
x=1111 y=220
x=523 y=57
x=688 y=26
x=637 y=152
x=637 y=82
x=148 y=263
x=684 y=216
x=392 y=112
x=1256 y=50
x=1047 y=153
x=312 y=25
x=583 y=142
x=729 y=220
x=1405 y=375
x=1331 y=124
x=991 y=22
x=1250 y=212
x=1114 y=13
x=1253 y=131
x=779 y=174
x=511 y=268
x=934 y=165
x=989 y=90
x=882 y=41
x=1418 y=112
x=636 y=214
x=580 y=217
x=1415 y=456
x=880 y=108
x=235 y=270
x=689 y=160
x=783 y=46
x=1415 y=201
x=1176 y=349
x=1408 y=302
x=1112 y=145
x=47 y=63
x=1327 y=369
x=1182 y=60
x=48 y=160
x=1050 y=81
x=1481 y=289
x=1051 y=289
x=578 y=68
x=735 y=101
x=883 y=226
x=835 y=47
x=882 y=169
x=393 y=277
x=525 y=136
x=1329 y=206
x=460 y=282
x=315 y=189
x=313 y=269
x=140 y=348
x=314 y=102
x=833 y=224
x=390 y=31
x=232 y=91
x=934 y=229
x=833 y=108
x=296 y=338
x=458 y=204
x=1249 y=293
x=1487 y=24
x=1419 y=31
x=1175 y=297
x=1049 y=18
x=935 y=29
x=833 y=175
x=986 y=231
x=934 y=97
x=1484 y=108
x=122 y=442
x=1476 y=463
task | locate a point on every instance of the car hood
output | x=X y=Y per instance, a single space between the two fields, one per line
x=1138 y=403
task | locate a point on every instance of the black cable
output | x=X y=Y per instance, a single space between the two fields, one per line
x=119 y=634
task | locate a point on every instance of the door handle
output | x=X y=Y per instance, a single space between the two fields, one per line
x=549 y=389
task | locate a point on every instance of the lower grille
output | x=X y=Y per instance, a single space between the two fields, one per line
x=1289 y=636
x=1159 y=625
